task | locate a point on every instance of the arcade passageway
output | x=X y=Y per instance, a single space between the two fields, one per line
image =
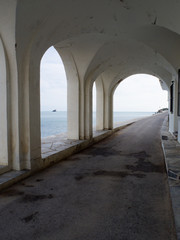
x=101 y=43
x=117 y=188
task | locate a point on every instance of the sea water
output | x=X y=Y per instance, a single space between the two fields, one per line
x=53 y=123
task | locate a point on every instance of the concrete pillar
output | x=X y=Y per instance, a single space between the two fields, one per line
x=178 y=129
x=9 y=108
x=82 y=105
x=73 y=110
x=176 y=106
x=178 y=111
x=173 y=119
x=109 y=94
x=29 y=112
x=73 y=93
x=88 y=130
x=13 y=105
x=99 y=104
x=24 y=115
x=108 y=110
x=3 y=108
x=34 y=137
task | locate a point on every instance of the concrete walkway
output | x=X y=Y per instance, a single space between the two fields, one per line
x=117 y=189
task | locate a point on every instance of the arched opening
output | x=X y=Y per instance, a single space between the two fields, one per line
x=53 y=88
x=138 y=96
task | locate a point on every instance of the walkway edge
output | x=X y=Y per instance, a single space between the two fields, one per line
x=171 y=149
x=11 y=177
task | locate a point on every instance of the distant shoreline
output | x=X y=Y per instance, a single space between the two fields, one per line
x=113 y=112
x=53 y=123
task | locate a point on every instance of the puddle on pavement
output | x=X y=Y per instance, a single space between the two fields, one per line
x=33 y=198
x=145 y=166
x=104 y=173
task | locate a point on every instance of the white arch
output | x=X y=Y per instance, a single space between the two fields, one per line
x=73 y=93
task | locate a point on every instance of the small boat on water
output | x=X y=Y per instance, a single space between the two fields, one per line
x=54 y=110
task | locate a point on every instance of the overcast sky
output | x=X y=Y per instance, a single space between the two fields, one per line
x=137 y=93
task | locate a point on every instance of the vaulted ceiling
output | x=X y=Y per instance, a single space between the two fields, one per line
x=115 y=38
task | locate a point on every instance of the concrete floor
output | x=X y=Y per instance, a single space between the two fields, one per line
x=116 y=189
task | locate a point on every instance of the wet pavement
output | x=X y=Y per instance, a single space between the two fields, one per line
x=117 y=189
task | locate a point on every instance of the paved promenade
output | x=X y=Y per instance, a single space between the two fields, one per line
x=114 y=190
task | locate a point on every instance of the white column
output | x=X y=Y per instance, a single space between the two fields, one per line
x=99 y=104
x=3 y=108
x=73 y=93
x=88 y=110
x=108 y=110
x=178 y=112
x=9 y=109
x=34 y=112
x=173 y=119
x=29 y=112
x=73 y=110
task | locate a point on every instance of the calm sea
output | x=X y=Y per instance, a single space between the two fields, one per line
x=53 y=123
